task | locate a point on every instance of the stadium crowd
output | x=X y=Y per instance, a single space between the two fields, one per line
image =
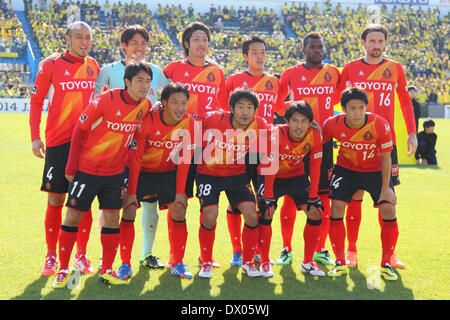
x=12 y=36
x=417 y=38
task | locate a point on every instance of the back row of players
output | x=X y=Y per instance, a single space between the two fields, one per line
x=204 y=129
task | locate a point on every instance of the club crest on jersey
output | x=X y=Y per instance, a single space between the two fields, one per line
x=211 y=77
x=307 y=147
x=368 y=136
x=83 y=118
x=269 y=85
x=89 y=71
x=139 y=115
x=327 y=77
x=387 y=74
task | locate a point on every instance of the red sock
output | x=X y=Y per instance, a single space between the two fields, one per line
x=325 y=224
x=337 y=238
x=234 y=222
x=179 y=238
x=84 y=231
x=311 y=237
x=380 y=218
x=110 y=239
x=288 y=213
x=250 y=237
x=206 y=239
x=265 y=237
x=67 y=239
x=389 y=236
x=127 y=234
x=169 y=229
x=53 y=218
x=353 y=220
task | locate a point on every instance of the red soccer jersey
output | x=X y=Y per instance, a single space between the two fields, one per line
x=266 y=86
x=206 y=85
x=291 y=153
x=69 y=83
x=108 y=126
x=156 y=146
x=381 y=81
x=317 y=87
x=226 y=147
x=360 y=149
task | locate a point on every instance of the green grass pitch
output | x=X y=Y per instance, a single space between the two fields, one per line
x=422 y=245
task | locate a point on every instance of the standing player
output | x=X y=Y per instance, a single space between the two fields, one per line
x=363 y=163
x=315 y=83
x=266 y=87
x=230 y=136
x=381 y=78
x=95 y=168
x=134 y=41
x=159 y=165
x=296 y=140
x=68 y=81
x=205 y=80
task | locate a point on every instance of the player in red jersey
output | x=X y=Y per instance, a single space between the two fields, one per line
x=204 y=79
x=100 y=142
x=155 y=172
x=296 y=139
x=68 y=80
x=381 y=78
x=363 y=163
x=314 y=82
x=267 y=88
x=230 y=136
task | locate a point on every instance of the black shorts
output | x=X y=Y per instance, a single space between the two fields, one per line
x=296 y=187
x=158 y=186
x=237 y=188
x=54 y=177
x=326 y=167
x=85 y=187
x=395 y=177
x=345 y=183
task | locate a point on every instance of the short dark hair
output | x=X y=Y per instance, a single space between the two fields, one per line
x=311 y=35
x=246 y=44
x=412 y=88
x=243 y=93
x=374 y=27
x=130 y=31
x=134 y=67
x=301 y=107
x=428 y=123
x=174 y=88
x=353 y=93
x=75 y=25
x=189 y=30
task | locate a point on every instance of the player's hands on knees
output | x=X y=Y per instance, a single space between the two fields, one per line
x=315 y=203
x=180 y=201
x=38 y=148
x=388 y=195
x=266 y=206
x=129 y=199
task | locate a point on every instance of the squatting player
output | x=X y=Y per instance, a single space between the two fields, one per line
x=296 y=139
x=100 y=142
x=266 y=86
x=158 y=169
x=363 y=163
x=222 y=168
x=381 y=78
x=314 y=82
x=205 y=80
x=134 y=42
x=68 y=80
